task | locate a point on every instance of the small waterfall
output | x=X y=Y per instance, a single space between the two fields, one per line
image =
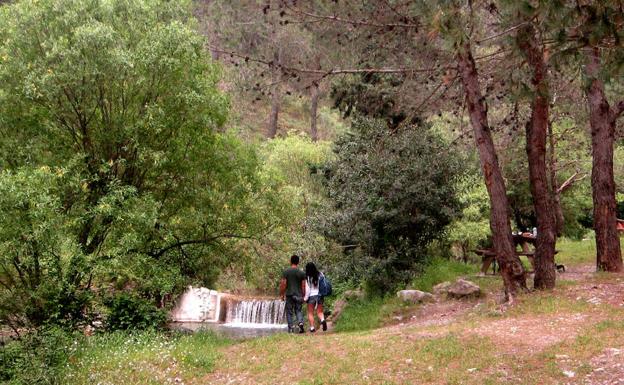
x=255 y=312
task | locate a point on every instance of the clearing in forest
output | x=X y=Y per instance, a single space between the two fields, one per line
x=574 y=335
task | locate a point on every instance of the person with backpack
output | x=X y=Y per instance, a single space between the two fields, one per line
x=292 y=290
x=317 y=288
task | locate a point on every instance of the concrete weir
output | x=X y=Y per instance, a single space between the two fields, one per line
x=198 y=304
x=202 y=306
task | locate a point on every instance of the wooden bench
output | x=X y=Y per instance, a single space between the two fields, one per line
x=489 y=255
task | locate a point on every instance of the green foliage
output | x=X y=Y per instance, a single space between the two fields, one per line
x=37 y=359
x=54 y=356
x=41 y=266
x=393 y=193
x=117 y=179
x=473 y=226
x=127 y=311
x=372 y=95
x=440 y=270
x=291 y=177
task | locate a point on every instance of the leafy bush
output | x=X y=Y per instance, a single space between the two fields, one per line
x=101 y=189
x=393 y=193
x=128 y=311
x=472 y=227
x=38 y=358
x=38 y=260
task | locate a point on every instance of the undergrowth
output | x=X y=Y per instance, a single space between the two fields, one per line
x=440 y=270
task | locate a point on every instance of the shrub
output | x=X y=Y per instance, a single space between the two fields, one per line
x=128 y=311
x=38 y=358
x=393 y=193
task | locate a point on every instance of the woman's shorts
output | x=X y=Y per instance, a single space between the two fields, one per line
x=315 y=300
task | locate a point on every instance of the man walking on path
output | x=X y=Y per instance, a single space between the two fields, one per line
x=292 y=290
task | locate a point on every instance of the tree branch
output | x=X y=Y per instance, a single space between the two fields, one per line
x=570 y=181
x=159 y=253
x=324 y=73
x=365 y=22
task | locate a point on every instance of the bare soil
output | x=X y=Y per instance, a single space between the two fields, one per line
x=522 y=337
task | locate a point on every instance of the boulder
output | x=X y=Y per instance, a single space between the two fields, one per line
x=463 y=289
x=441 y=288
x=352 y=295
x=415 y=296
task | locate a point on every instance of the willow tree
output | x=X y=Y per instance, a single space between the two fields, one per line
x=119 y=101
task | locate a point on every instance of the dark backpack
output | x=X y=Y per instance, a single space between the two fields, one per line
x=325 y=287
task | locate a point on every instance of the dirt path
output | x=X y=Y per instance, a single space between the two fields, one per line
x=508 y=339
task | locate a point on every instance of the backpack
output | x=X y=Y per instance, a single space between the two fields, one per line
x=325 y=287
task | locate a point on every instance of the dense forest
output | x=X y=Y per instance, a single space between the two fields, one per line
x=149 y=145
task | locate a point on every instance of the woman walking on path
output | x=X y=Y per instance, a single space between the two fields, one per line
x=313 y=297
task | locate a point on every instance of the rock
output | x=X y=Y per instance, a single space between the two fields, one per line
x=463 y=289
x=568 y=373
x=441 y=288
x=352 y=295
x=415 y=296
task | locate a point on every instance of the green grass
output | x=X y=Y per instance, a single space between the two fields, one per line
x=145 y=358
x=541 y=303
x=368 y=313
x=356 y=353
x=440 y=270
x=371 y=313
x=572 y=252
x=362 y=314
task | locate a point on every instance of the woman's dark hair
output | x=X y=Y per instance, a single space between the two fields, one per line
x=312 y=272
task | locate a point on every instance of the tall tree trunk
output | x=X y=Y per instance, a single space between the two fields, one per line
x=314 y=110
x=536 y=134
x=274 y=114
x=554 y=186
x=275 y=96
x=602 y=119
x=511 y=268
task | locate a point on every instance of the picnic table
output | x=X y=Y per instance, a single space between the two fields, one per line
x=522 y=239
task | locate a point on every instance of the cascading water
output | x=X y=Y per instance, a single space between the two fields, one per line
x=255 y=313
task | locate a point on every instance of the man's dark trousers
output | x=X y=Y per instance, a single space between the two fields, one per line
x=293 y=307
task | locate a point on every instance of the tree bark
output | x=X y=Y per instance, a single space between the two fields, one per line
x=314 y=111
x=602 y=119
x=536 y=134
x=274 y=114
x=512 y=271
x=554 y=186
x=275 y=97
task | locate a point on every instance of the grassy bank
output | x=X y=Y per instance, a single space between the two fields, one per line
x=148 y=357
x=521 y=345
x=143 y=358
